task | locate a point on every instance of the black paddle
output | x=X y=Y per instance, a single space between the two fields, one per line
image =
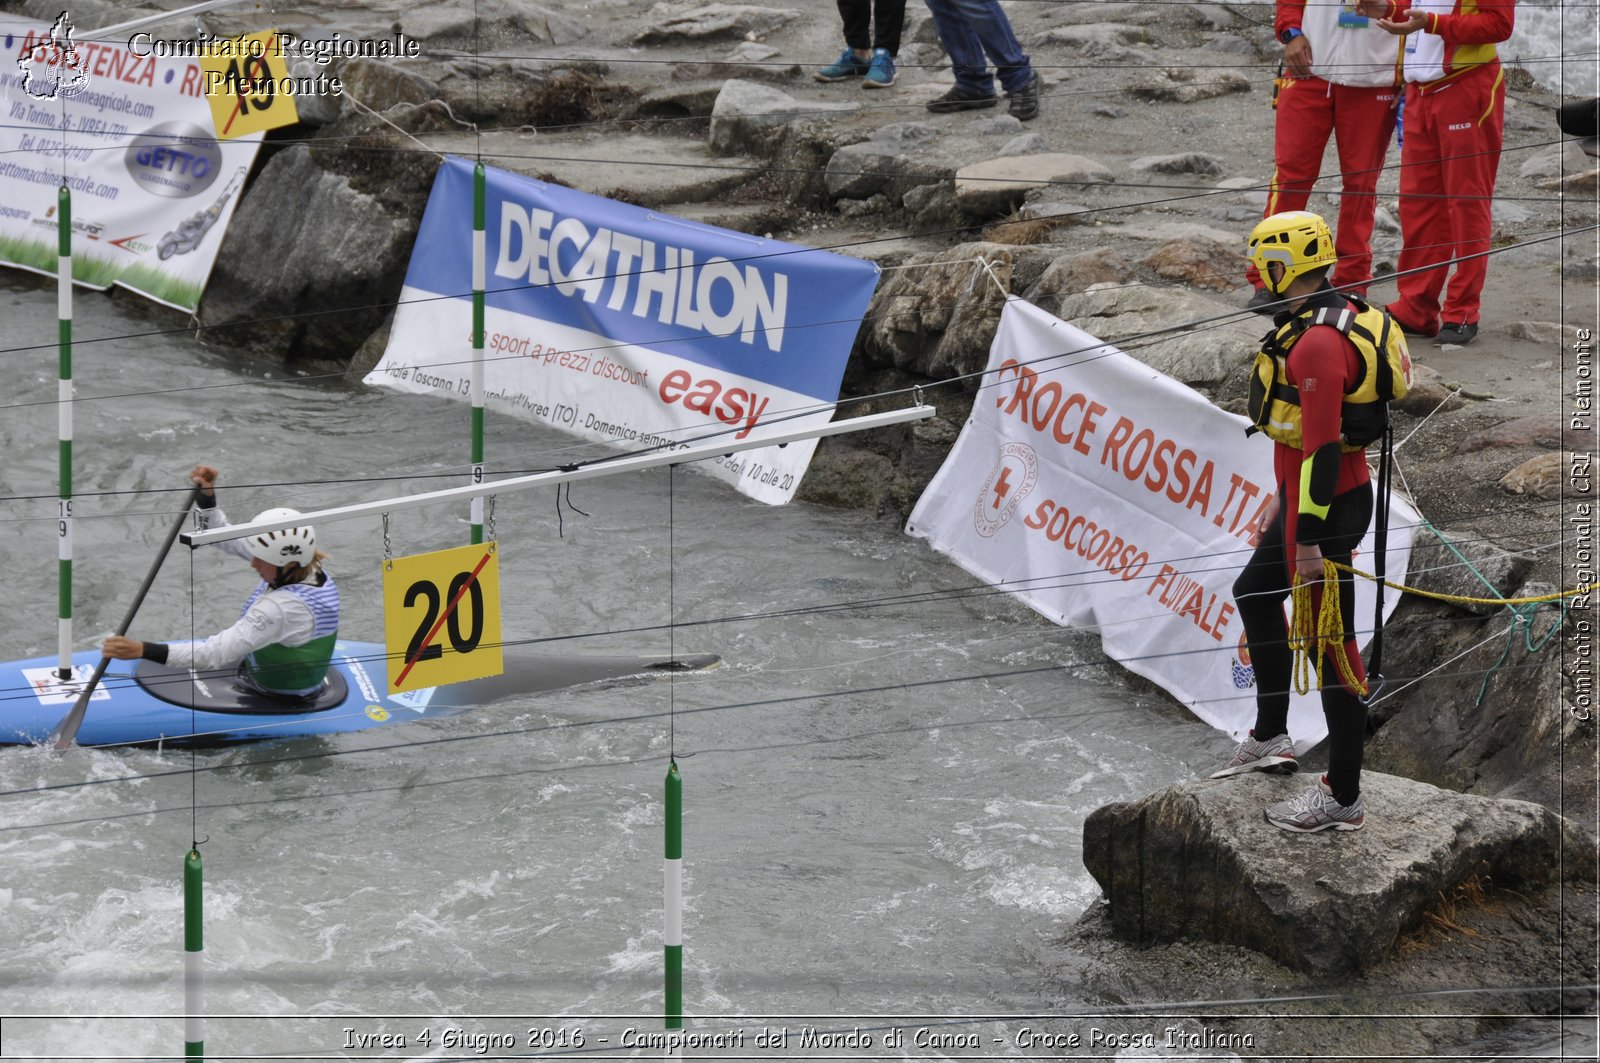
x=66 y=731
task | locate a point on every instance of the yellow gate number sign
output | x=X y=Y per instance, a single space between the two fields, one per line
x=241 y=78
x=441 y=617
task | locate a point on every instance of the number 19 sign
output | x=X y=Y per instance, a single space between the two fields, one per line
x=441 y=617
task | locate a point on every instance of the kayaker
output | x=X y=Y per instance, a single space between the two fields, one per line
x=283 y=640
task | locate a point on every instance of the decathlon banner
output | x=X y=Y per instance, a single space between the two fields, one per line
x=1107 y=495
x=131 y=136
x=626 y=325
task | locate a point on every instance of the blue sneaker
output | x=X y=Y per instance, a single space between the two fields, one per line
x=880 y=71
x=847 y=66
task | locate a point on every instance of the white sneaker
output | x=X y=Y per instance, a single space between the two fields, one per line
x=1275 y=755
x=1316 y=810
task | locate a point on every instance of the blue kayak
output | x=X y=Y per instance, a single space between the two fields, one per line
x=144 y=703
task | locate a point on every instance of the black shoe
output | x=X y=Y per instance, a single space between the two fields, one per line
x=1460 y=335
x=960 y=99
x=1024 y=104
x=1263 y=302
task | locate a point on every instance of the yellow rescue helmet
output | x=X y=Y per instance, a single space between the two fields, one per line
x=1296 y=239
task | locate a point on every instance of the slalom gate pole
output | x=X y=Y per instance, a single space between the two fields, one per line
x=672 y=929
x=64 y=431
x=479 y=279
x=194 y=976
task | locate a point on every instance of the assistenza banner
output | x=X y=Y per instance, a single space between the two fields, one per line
x=626 y=325
x=131 y=136
x=1107 y=495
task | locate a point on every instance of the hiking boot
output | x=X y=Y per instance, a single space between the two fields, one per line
x=1316 y=810
x=880 y=70
x=844 y=68
x=960 y=99
x=1263 y=302
x=1460 y=335
x=1275 y=755
x=1024 y=105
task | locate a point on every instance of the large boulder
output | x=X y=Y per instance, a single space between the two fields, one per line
x=1198 y=860
x=746 y=112
x=1160 y=328
x=857 y=171
x=995 y=187
x=936 y=315
x=311 y=258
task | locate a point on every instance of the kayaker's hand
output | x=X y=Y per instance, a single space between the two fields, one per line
x=205 y=478
x=122 y=649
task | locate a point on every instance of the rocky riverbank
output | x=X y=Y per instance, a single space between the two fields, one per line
x=1122 y=208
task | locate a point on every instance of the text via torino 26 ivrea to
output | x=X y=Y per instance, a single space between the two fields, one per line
x=461 y=1038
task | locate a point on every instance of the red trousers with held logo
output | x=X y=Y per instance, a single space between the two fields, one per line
x=1361 y=122
x=1447 y=171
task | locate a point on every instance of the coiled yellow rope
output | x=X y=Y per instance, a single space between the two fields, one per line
x=1320 y=637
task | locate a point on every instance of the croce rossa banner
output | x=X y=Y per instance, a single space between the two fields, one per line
x=626 y=325
x=1109 y=496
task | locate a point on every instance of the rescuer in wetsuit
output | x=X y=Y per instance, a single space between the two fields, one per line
x=1324 y=507
x=284 y=637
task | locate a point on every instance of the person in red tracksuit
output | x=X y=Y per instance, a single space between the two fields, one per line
x=1343 y=80
x=1454 y=117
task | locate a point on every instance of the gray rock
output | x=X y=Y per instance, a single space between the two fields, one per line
x=677 y=99
x=937 y=316
x=1555 y=160
x=1103 y=41
x=1199 y=861
x=380 y=85
x=1486 y=571
x=1382 y=220
x=315 y=109
x=996 y=125
x=1212 y=17
x=1108 y=110
x=1070 y=275
x=1198 y=162
x=857 y=171
x=994 y=187
x=1508 y=213
x=1198 y=357
x=488 y=27
x=745 y=110
x=1057 y=211
x=1545 y=333
x=1184 y=86
x=856 y=208
x=668 y=22
x=1229 y=44
x=305 y=240
x=1026 y=144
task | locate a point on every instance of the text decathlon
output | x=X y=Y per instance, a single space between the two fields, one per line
x=642 y=277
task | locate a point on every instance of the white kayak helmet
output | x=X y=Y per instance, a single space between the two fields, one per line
x=286 y=546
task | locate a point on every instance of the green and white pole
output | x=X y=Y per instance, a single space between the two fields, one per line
x=672 y=930
x=194 y=975
x=480 y=270
x=64 y=431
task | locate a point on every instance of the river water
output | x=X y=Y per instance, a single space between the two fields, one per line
x=884 y=792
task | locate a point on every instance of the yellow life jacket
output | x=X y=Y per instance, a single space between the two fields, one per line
x=1385 y=371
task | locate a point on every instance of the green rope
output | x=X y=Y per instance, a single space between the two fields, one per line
x=1521 y=616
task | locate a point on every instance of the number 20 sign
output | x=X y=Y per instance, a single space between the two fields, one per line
x=441 y=617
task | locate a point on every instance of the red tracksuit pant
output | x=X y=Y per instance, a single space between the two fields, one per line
x=1361 y=121
x=1447 y=171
